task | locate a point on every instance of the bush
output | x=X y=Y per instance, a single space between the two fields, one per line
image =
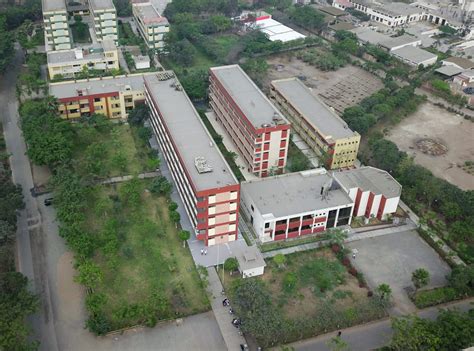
x=231 y=264
x=290 y=281
x=427 y=298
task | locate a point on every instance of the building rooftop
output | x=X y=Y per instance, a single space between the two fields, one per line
x=449 y=71
x=191 y=139
x=84 y=55
x=249 y=258
x=53 y=5
x=148 y=14
x=390 y=8
x=102 y=4
x=248 y=97
x=97 y=85
x=414 y=54
x=460 y=61
x=369 y=179
x=325 y=120
x=405 y=39
x=297 y=193
x=341 y=26
x=333 y=11
x=370 y=36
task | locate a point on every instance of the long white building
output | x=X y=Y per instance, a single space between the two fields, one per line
x=105 y=19
x=56 y=28
x=151 y=25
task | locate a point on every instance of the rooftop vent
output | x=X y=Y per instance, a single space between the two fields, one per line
x=201 y=165
x=266 y=125
x=78 y=54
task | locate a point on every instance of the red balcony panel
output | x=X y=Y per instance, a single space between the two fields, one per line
x=283 y=144
x=201 y=236
x=282 y=153
x=318 y=229
x=293 y=234
x=265 y=156
x=281 y=163
x=280 y=237
x=307 y=222
x=280 y=227
x=258 y=140
x=202 y=204
x=284 y=133
x=257 y=159
x=201 y=226
x=266 y=147
x=320 y=220
x=267 y=136
x=294 y=224
x=201 y=215
x=259 y=149
x=264 y=173
x=306 y=231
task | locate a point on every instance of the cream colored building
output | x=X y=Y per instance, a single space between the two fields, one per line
x=113 y=97
x=151 y=25
x=105 y=19
x=68 y=63
x=318 y=125
x=56 y=28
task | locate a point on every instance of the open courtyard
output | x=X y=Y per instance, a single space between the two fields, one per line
x=391 y=259
x=439 y=140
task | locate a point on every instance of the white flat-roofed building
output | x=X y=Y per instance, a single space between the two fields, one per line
x=295 y=204
x=394 y=43
x=374 y=191
x=251 y=262
x=316 y=123
x=391 y=14
x=257 y=128
x=68 y=63
x=151 y=25
x=205 y=182
x=415 y=56
x=105 y=19
x=56 y=27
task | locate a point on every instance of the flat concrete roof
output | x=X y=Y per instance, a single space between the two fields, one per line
x=414 y=54
x=294 y=193
x=371 y=179
x=93 y=52
x=333 y=11
x=254 y=104
x=342 y=26
x=370 y=36
x=249 y=258
x=449 y=70
x=189 y=134
x=405 y=39
x=148 y=13
x=462 y=62
x=102 y=4
x=69 y=89
x=53 y=5
x=313 y=109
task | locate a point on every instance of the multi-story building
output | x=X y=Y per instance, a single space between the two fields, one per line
x=374 y=191
x=257 y=128
x=113 y=97
x=104 y=16
x=204 y=180
x=390 y=13
x=319 y=126
x=151 y=25
x=295 y=204
x=68 y=63
x=56 y=28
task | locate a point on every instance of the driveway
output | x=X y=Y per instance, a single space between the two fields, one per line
x=391 y=259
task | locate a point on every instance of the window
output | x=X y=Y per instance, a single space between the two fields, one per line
x=267 y=225
x=97 y=99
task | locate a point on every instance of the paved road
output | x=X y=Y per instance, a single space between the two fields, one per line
x=373 y=335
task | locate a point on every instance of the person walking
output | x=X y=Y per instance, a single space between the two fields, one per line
x=202 y=252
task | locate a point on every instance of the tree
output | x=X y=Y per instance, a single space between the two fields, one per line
x=462 y=279
x=175 y=217
x=337 y=236
x=182 y=52
x=420 y=277
x=7 y=232
x=279 y=260
x=16 y=303
x=386 y=155
x=139 y=114
x=384 y=291
x=307 y=17
x=196 y=82
x=184 y=235
x=231 y=264
x=172 y=206
x=6 y=45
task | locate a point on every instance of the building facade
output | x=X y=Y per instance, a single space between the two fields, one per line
x=113 y=97
x=204 y=180
x=68 y=63
x=319 y=126
x=151 y=25
x=258 y=130
x=295 y=204
x=104 y=16
x=375 y=192
x=56 y=27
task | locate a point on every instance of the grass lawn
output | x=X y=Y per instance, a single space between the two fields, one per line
x=313 y=294
x=296 y=160
x=111 y=151
x=80 y=33
x=275 y=245
x=142 y=259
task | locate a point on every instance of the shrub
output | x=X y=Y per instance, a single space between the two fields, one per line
x=231 y=264
x=290 y=281
x=433 y=297
x=353 y=271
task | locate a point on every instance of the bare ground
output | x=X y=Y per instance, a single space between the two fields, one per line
x=453 y=131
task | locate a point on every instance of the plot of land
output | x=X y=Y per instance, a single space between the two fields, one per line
x=339 y=89
x=432 y=125
x=392 y=258
x=145 y=265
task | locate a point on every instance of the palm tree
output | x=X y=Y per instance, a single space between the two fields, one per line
x=384 y=291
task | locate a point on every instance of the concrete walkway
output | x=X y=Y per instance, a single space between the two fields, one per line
x=231 y=334
x=120 y=179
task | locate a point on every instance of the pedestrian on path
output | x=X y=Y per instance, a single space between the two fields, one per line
x=339 y=333
x=205 y=252
x=202 y=252
x=354 y=256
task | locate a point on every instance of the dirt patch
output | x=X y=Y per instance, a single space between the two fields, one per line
x=440 y=131
x=70 y=293
x=339 y=89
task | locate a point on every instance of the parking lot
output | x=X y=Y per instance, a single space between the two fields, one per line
x=392 y=258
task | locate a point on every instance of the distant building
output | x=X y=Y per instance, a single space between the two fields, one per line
x=113 y=97
x=374 y=191
x=459 y=62
x=317 y=124
x=414 y=56
x=295 y=204
x=251 y=262
x=391 y=14
x=104 y=16
x=257 y=128
x=68 y=63
x=56 y=27
x=141 y=62
x=369 y=36
x=204 y=181
x=151 y=25
x=274 y=30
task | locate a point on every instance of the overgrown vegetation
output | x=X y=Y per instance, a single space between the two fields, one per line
x=443 y=90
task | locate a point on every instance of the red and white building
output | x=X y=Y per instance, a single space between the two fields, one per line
x=374 y=191
x=204 y=180
x=257 y=128
x=295 y=204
